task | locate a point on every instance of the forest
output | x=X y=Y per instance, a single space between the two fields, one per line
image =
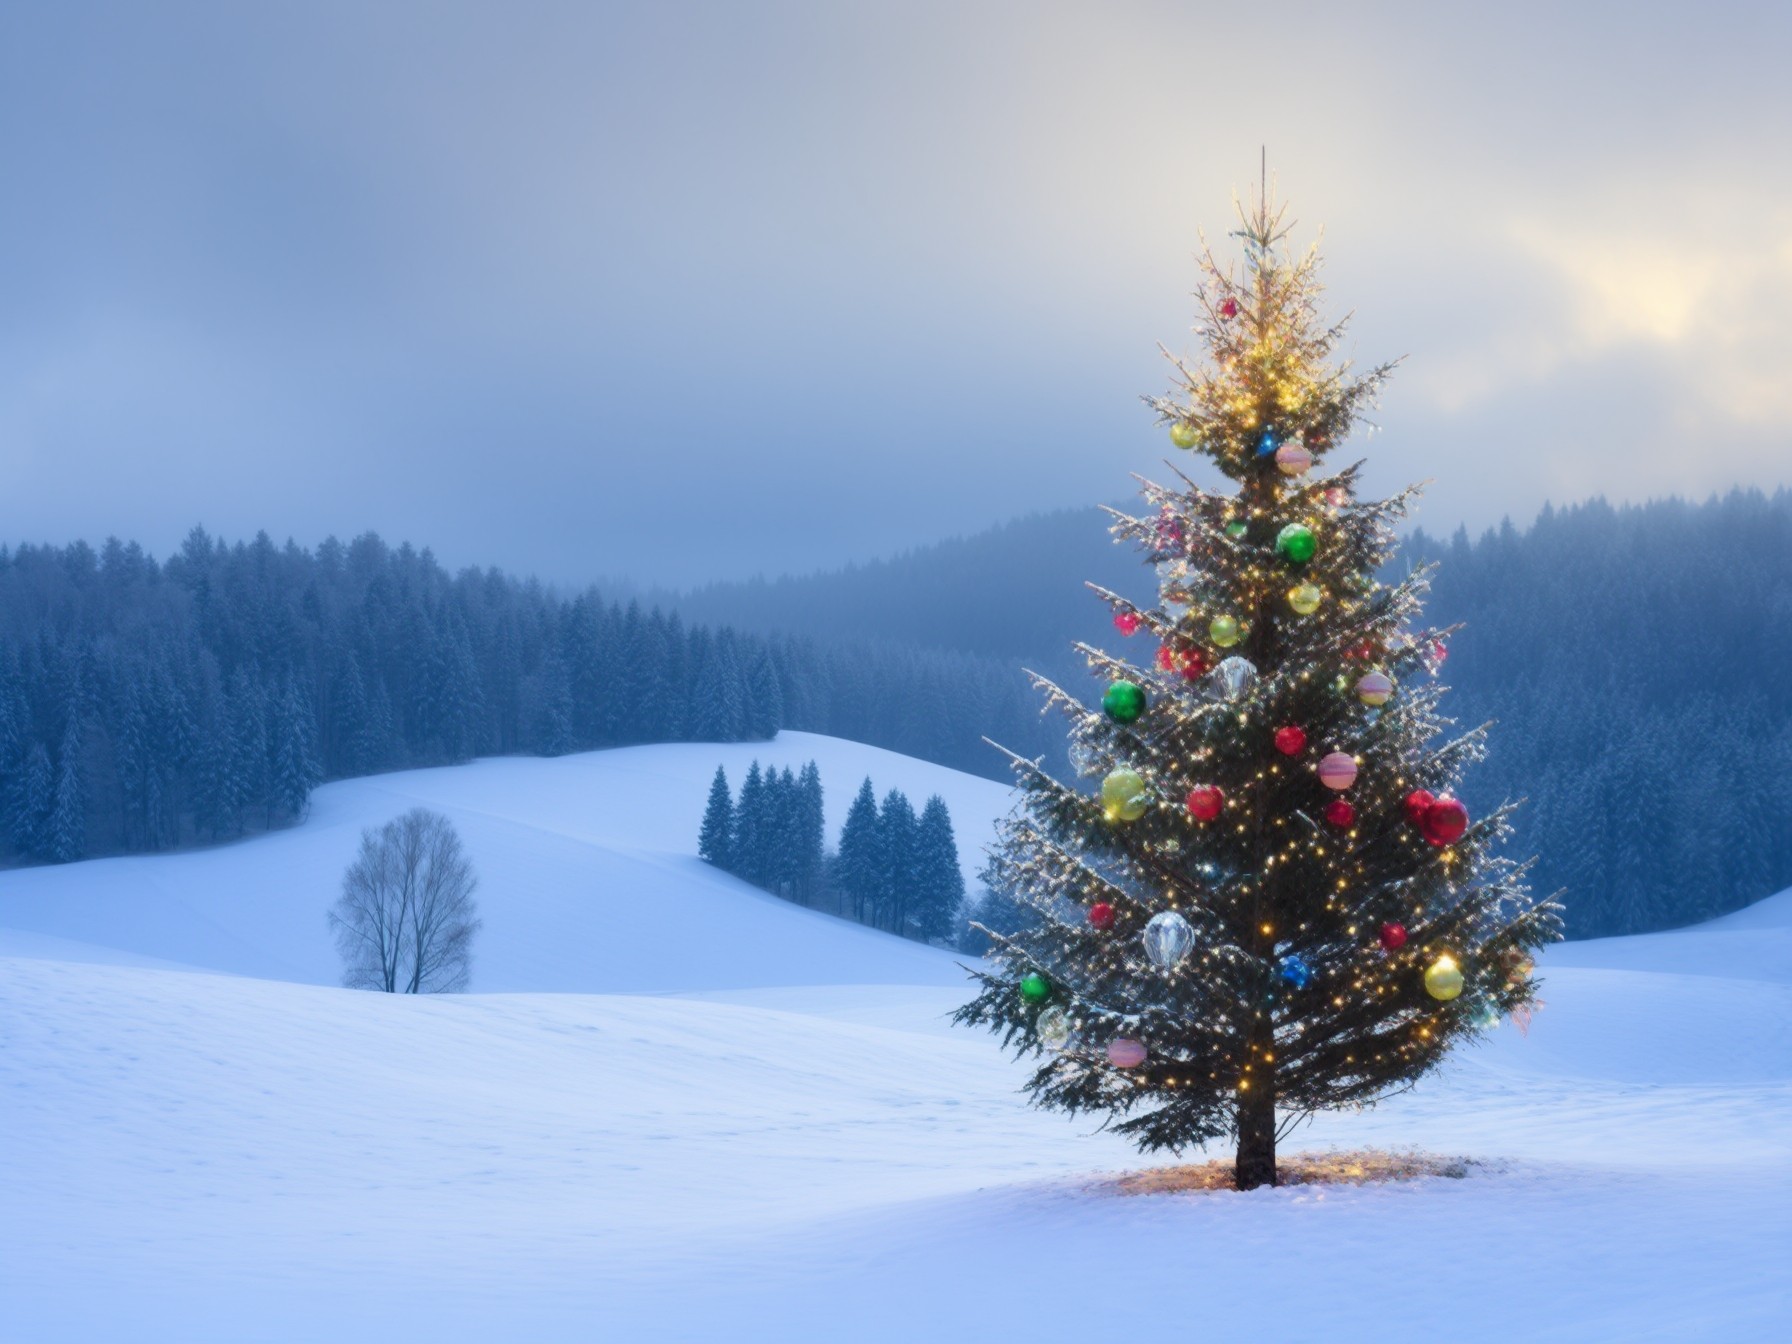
x=148 y=704
x=1632 y=657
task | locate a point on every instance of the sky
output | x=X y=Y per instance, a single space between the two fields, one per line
x=677 y=292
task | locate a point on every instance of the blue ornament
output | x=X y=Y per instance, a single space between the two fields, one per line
x=1295 y=971
x=1267 y=445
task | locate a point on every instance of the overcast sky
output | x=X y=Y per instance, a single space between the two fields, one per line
x=675 y=291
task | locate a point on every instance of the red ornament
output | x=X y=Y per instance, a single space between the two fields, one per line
x=1340 y=813
x=1291 y=741
x=1365 y=651
x=1446 y=821
x=1126 y=622
x=1229 y=308
x=1192 y=664
x=1205 y=802
x=1393 y=936
x=1166 y=658
x=1439 y=651
x=1418 y=803
x=1101 y=915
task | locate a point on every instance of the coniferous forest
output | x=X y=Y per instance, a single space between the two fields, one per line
x=1635 y=658
x=147 y=704
x=1646 y=715
x=894 y=871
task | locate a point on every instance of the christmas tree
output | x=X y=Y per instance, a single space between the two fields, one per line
x=1273 y=904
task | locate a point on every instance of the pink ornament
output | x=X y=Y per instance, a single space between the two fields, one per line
x=1126 y=622
x=1337 y=496
x=1126 y=1053
x=1337 y=771
x=1293 y=460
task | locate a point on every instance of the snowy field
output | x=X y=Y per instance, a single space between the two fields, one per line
x=680 y=1110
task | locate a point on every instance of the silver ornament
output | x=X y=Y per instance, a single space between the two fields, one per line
x=1233 y=677
x=1168 y=937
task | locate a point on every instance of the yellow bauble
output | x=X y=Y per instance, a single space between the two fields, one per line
x=1305 y=598
x=1443 y=979
x=1124 y=796
x=1184 y=435
x=1225 y=631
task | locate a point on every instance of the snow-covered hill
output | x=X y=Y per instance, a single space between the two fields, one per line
x=805 y=1152
x=589 y=878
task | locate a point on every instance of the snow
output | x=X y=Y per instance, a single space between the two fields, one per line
x=589 y=878
x=795 y=1146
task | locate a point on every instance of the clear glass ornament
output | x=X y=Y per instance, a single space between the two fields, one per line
x=1084 y=759
x=1168 y=937
x=1053 y=1028
x=1232 y=678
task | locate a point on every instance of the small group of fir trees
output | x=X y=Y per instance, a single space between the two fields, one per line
x=894 y=871
x=773 y=835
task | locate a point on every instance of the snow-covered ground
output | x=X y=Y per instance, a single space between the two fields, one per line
x=793 y=1145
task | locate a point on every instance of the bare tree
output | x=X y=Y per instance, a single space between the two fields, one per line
x=405 y=920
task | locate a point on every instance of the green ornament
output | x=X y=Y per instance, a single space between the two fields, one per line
x=1225 y=631
x=1124 y=702
x=1183 y=434
x=1035 y=988
x=1236 y=529
x=1296 y=543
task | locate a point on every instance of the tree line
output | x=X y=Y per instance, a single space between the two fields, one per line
x=146 y=704
x=894 y=871
x=1630 y=656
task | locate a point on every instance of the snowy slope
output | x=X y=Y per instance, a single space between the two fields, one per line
x=203 y=1157
x=588 y=877
x=795 y=1146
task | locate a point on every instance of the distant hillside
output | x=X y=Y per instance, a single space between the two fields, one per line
x=1634 y=657
x=1015 y=591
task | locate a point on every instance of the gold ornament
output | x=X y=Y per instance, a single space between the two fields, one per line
x=1124 y=796
x=1305 y=598
x=1183 y=434
x=1225 y=631
x=1443 y=979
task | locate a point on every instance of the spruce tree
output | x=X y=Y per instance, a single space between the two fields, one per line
x=1271 y=905
x=939 y=883
x=65 y=838
x=897 y=836
x=715 y=841
x=859 y=866
x=750 y=827
x=811 y=833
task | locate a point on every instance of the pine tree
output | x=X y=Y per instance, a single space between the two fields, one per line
x=1273 y=906
x=65 y=838
x=715 y=842
x=811 y=834
x=718 y=714
x=33 y=799
x=293 y=770
x=750 y=827
x=897 y=836
x=764 y=712
x=939 y=883
x=859 y=867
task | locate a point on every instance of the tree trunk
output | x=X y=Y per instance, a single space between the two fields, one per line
x=1255 y=1164
x=1256 y=1161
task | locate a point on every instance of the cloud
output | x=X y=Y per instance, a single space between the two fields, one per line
x=698 y=289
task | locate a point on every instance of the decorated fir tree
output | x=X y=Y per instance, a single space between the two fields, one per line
x=1268 y=902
